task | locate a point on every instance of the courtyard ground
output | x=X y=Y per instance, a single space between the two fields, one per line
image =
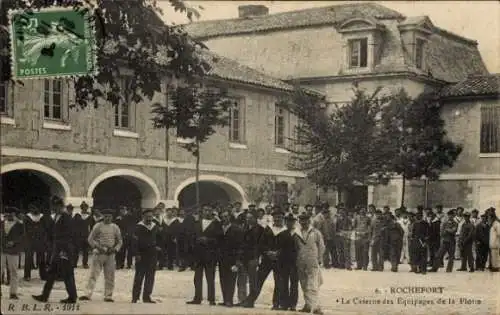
x=343 y=292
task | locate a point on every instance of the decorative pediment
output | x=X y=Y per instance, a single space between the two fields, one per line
x=357 y=24
x=422 y=24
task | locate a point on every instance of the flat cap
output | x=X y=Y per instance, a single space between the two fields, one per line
x=12 y=210
x=277 y=212
x=304 y=216
x=107 y=211
x=290 y=217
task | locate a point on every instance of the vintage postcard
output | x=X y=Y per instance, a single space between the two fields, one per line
x=250 y=157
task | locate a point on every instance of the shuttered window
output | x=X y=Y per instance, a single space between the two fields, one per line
x=490 y=129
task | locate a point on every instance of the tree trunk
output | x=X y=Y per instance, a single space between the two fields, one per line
x=197 y=182
x=403 y=191
x=339 y=195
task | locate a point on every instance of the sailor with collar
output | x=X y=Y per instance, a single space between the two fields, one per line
x=207 y=233
x=289 y=277
x=158 y=219
x=269 y=250
x=82 y=223
x=146 y=247
x=170 y=223
x=37 y=226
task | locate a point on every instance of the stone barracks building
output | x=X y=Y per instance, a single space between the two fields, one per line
x=113 y=156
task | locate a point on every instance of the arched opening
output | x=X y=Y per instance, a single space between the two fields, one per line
x=115 y=192
x=212 y=189
x=25 y=183
x=123 y=188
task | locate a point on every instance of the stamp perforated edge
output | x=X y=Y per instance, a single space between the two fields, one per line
x=89 y=30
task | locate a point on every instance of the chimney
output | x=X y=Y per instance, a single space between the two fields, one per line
x=252 y=10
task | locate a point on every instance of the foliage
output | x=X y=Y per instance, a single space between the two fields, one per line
x=338 y=145
x=195 y=112
x=129 y=34
x=416 y=138
x=255 y=194
x=295 y=191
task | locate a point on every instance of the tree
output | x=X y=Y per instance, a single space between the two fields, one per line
x=339 y=145
x=414 y=134
x=129 y=34
x=194 y=112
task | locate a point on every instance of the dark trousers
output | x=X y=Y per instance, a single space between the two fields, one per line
x=171 y=253
x=362 y=248
x=83 y=247
x=447 y=246
x=207 y=266
x=145 y=269
x=466 y=256
x=394 y=254
x=482 y=250
x=227 y=280
x=377 y=256
x=125 y=251
x=289 y=287
x=421 y=257
x=182 y=253
x=161 y=257
x=264 y=269
x=339 y=249
x=433 y=249
x=330 y=258
x=41 y=263
x=61 y=268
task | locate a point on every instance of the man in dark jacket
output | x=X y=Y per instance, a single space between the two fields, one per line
x=482 y=243
x=230 y=250
x=269 y=249
x=420 y=236
x=466 y=239
x=82 y=223
x=207 y=233
x=61 y=260
x=377 y=239
x=247 y=266
x=12 y=243
x=170 y=224
x=181 y=240
x=287 y=266
x=126 y=223
x=434 y=236
x=362 y=229
x=448 y=229
x=145 y=247
x=37 y=228
x=159 y=213
x=394 y=241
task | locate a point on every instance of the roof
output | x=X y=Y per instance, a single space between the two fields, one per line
x=228 y=69
x=480 y=85
x=292 y=19
x=449 y=57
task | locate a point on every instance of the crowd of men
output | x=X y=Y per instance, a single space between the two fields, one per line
x=245 y=245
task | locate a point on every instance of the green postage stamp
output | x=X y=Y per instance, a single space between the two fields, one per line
x=52 y=43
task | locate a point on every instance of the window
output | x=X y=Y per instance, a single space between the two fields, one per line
x=280 y=193
x=280 y=126
x=490 y=129
x=123 y=110
x=4 y=92
x=236 y=122
x=52 y=100
x=358 y=53
x=419 y=54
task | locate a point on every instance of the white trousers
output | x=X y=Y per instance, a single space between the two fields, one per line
x=310 y=281
x=9 y=263
x=102 y=262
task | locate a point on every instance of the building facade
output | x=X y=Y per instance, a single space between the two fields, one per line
x=327 y=49
x=110 y=156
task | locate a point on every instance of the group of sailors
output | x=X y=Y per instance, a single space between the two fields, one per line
x=245 y=245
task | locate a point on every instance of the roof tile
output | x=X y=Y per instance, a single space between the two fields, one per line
x=480 y=85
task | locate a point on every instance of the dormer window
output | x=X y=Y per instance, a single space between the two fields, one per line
x=419 y=53
x=362 y=39
x=358 y=53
